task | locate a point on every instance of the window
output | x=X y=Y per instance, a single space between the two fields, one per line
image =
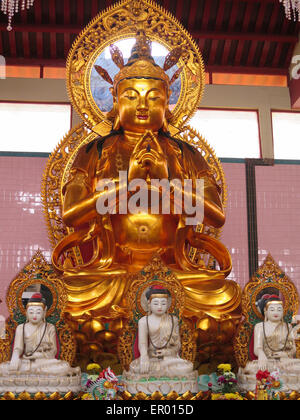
x=232 y=133
x=34 y=128
x=286 y=129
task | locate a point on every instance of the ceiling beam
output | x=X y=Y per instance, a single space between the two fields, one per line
x=249 y=36
x=210 y=68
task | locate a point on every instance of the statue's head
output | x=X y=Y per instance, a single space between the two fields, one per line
x=158 y=300
x=272 y=307
x=36 y=309
x=141 y=89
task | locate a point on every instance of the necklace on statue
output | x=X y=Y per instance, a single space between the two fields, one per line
x=286 y=340
x=153 y=345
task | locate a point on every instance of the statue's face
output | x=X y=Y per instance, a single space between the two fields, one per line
x=275 y=312
x=35 y=314
x=142 y=104
x=159 y=306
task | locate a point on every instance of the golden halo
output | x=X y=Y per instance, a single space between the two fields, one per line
x=121 y=22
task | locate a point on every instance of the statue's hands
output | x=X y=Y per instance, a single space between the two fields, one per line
x=148 y=158
x=166 y=352
x=281 y=355
x=144 y=364
x=15 y=364
x=262 y=362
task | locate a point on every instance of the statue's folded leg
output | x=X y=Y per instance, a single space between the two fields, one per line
x=94 y=293
x=214 y=297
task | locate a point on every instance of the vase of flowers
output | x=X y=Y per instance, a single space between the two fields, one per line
x=227 y=379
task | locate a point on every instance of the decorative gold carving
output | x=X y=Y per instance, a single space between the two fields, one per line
x=122 y=22
x=268 y=276
x=154 y=273
x=38 y=272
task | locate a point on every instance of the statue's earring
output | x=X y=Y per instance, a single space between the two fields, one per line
x=117 y=124
x=113 y=115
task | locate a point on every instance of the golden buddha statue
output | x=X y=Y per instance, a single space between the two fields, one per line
x=140 y=145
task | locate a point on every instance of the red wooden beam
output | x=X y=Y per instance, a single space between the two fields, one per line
x=206 y=15
x=12 y=44
x=26 y=46
x=52 y=13
x=39 y=44
x=75 y=29
x=274 y=16
x=67 y=12
x=211 y=69
x=264 y=54
x=239 y=53
x=250 y=36
x=233 y=16
x=220 y=15
x=95 y=9
x=35 y=62
x=247 y=17
x=226 y=51
x=192 y=14
x=247 y=70
x=261 y=16
x=38 y=13
x=80 y=12
x=251 y=54
x=179 y=10
x=213 y=52
x=53 y=45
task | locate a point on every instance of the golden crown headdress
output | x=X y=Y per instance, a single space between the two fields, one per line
x=141 y=64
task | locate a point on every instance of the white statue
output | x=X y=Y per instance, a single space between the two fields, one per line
x=274 y=347
x=33 y=367
x=159 y=367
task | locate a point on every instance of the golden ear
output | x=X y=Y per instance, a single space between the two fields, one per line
x=113 y=114
x=117 y=124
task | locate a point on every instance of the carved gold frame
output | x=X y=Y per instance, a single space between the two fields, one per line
x=38 y=271
x=154 y=273
x=269 y=275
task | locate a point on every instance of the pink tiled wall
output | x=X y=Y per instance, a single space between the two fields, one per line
x=235 y=231
x=23 y=230
x=22 y=227
x=278 y=209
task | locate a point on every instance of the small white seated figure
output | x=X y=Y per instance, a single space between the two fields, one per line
x=274 y=347
x=159 y=346
x=33 y=367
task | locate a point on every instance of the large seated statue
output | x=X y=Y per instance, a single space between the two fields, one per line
x=272 y=343
x=108 y=248
x=33 y=366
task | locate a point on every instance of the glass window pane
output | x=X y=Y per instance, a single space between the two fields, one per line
x=286 y=129
x=232 y=134
x=36 y=128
